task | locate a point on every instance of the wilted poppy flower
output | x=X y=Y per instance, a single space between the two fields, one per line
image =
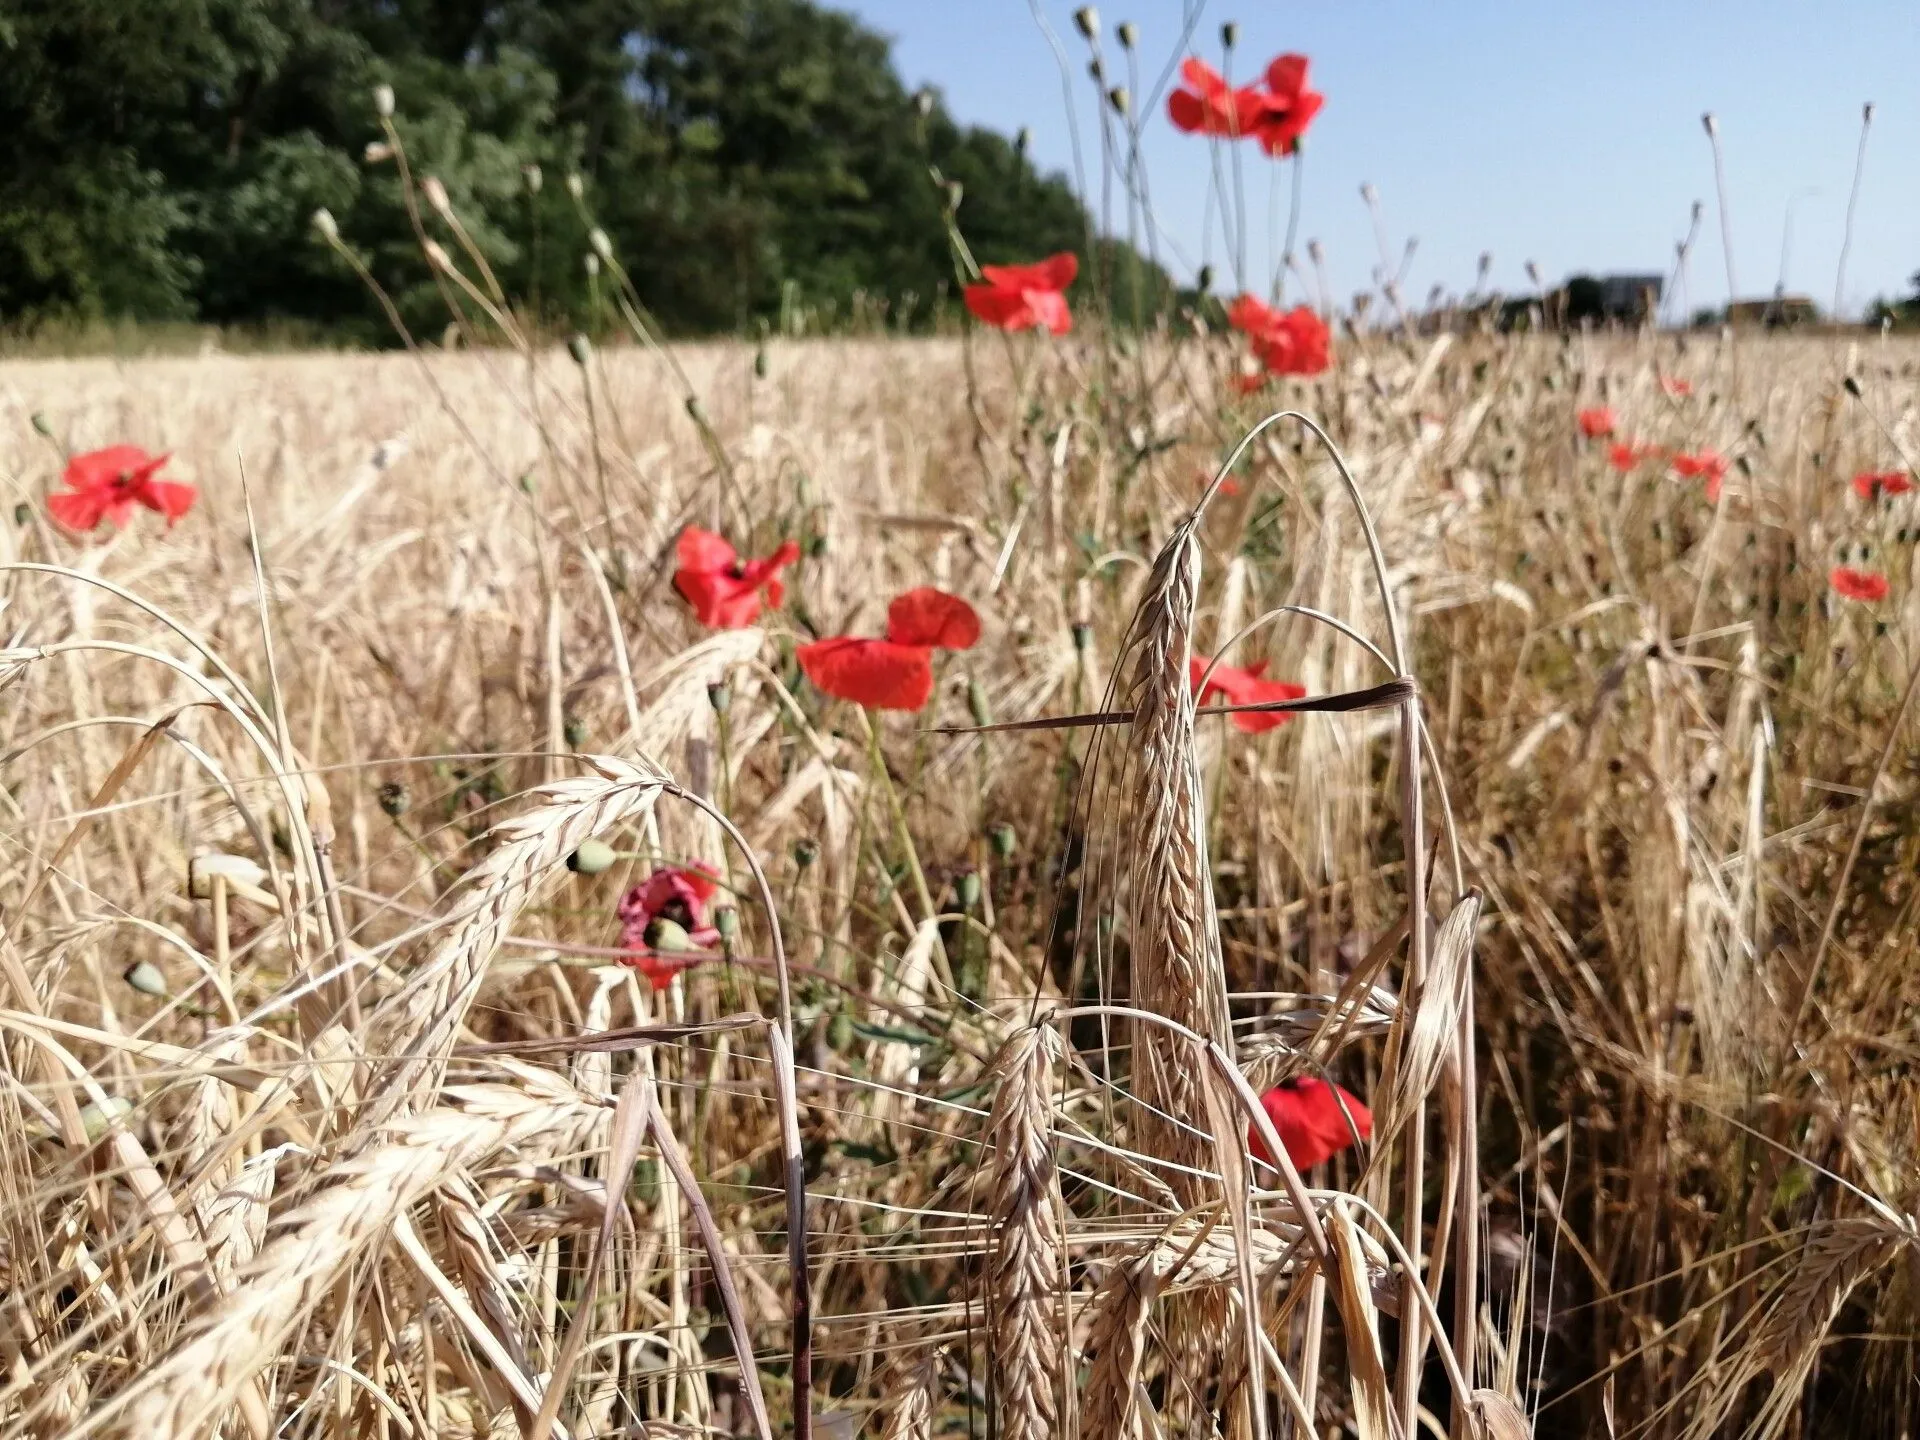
x=1245 y=687
x=1707 y=463
x=723 y=589
x=664 y=923
x=1870 y=486
x=1674 y=385
x=107 y=484
x=1310 y=1120
x=895 y=673
x=1291 y=342
x=1209 y=106
x=1625 y=455
x=1022 y=297
x=1288 y=107
x=1597 y=422
x=1868 y=585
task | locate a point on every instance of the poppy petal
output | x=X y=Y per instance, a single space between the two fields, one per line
x=699 y=549
x=719 y=601
x=1287 y=75
x=1004 y=309
x=1202 y=77
x=97 y=469
x=877 y=674
x=170 y=499
x=77 y=509
x=1056 y=273
x=928 y=616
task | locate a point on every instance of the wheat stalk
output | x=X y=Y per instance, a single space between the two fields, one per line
x=1026 y=1236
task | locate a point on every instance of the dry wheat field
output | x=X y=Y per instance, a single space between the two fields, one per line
x=450 y=990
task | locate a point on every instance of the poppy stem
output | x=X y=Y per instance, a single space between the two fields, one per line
x=920 y=891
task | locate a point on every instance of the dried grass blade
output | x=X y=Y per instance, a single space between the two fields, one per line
x=1367 y=1373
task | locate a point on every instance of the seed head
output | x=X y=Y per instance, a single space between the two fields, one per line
x=42 y=425
x=1119 y=99
x=977 y=704
x=956 y=192
x=574 y=731
x=593 y=266
x=1003 y=840
x=720 y=697
x=1710 y=125
x=580 y=348
x=1866 y=113
x=324 y=222
x=437 y=255
x=436 y=194
x=1022 y=140
x=592 y=858
x=394 y=800
x=1203 y=282
x=1087 y=21
x=967 y=886
x=923 y=100
x=805 y=852
x=383 y=101
x=602 y=246
x=1128 y=33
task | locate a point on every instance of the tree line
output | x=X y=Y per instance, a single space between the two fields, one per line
x=161 y=160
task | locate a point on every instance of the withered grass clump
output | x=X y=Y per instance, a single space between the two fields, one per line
x=1587 y=864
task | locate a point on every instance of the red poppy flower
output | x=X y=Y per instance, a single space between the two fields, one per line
x=932 y=617
x=1229 y=487
x=1868 y=585
x=1288 y=106
x=1291 y=342
x=1869 y=486
x=1021 y=297
x=1674 y=385
x=895 y=673
x=723 y=589
x=1247 y=382
x=1597 y=422
x=1210 y=107
x=1245 y=687
x=664 y=923
x=1309 y=1117
x=1707 y=463
x=1625 y=455
x=107 y=484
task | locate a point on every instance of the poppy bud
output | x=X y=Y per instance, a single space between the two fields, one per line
x=394 y=799
x=145 y=977
x=383 y=101
x=22 y=513
x=805 y=852
x=760 y=362
x=436 y=194
x=1119 y=99
x=96 y=1120
x=576 y=187
x=1022 y=140
x=1003 y=840
x=1230 y=34
x=580 y=348
x=41 y=424
x=532 y=177
x=923 y=100
x=967 y=887
x=1082 y=636
x=696 y=411
x=593 y=266
x=602 y=246
x=592 y=858
x=324 y=222
x=1097 y=71
x=956 y=192
x=1852 y=386
x=1129 y=33
x=1711 y=125
x=202 y=870
x=1203 y=282
x=720 y=697
x=816 y=546
x=1087 y=21
x=977 y=703
x=669 y=937
x=840 y=1030
x=377 y=152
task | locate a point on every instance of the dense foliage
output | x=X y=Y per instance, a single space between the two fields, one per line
x=748 y=158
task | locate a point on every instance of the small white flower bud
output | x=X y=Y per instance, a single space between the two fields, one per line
x=436 y=194
x=1087 y=21
x=383 y=101
x=602 y=246
x=324 y=222
x=576 y=187
x=378 y=152
x=437 y=255
x=533 y=178
x=593 y=266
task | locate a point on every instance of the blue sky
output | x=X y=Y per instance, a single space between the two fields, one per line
x=1564 y=133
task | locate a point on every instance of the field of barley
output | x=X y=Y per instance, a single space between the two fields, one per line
x=457 y=986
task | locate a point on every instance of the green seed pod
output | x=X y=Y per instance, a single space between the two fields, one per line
x=1119 y=99
x=840 y=1031
x=145 y=977
x=42 y=425
x=760 y=362
x=669 y=937
x=1004 y=840
x=1128 y=33
x=816 y=546
x=22 y=513
x=580 y=348
x=720 y=697
x=727 y=921
x=394 y=799
x=574 y=731
x=1082 y=636
x=328 y=227
x=1087 y=21
x=977 y=703
x=592 y=858
x=805 y=852
x=1203 y=282
x=97 y=1120
x=967 y=887
x=1230 y=34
